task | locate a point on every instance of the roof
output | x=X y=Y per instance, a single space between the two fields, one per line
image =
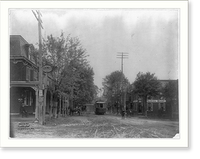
x=18 y=37
x=18 y=46
x=164 y=82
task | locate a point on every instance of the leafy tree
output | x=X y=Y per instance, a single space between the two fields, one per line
x=80 y=82
x=96 y=92
x=61 y=53
x=71 y=71
x=113 y=85
x=146 y=85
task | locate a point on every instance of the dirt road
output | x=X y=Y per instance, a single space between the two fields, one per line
x=96 y=126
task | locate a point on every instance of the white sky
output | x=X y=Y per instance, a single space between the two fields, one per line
x=149 y=36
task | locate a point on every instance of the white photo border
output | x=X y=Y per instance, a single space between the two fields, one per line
x=183 y=141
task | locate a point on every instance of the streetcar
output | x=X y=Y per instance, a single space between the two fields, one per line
x=100 y=108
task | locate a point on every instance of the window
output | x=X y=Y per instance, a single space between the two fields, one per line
x=35 y=76
x=31 y=99
x=28 y=99
x=150 y=107
x=101 y=105
x=31 y=75
x=135 y=107
x=162 y=106
x=27 y=50
x=27 y=74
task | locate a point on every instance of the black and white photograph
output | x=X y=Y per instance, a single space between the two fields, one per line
x=97 y=73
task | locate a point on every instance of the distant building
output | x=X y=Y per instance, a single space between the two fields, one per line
x=89 y=108
x=158 y=106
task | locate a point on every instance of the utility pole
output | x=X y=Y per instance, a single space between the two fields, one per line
x=122 y=56
x=40 y=107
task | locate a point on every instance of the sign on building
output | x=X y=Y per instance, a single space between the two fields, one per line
x=47 y=68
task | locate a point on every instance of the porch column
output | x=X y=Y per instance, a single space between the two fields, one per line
x=45 y=104
x=65 y=106
x=51 y=105
x=55 y=108
x=36 y=104
x=60 y=105
x=62 y=110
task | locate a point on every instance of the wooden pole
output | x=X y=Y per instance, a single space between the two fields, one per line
x=36 y=104
x=41 y=96
x=45 y=99
x=122 y=56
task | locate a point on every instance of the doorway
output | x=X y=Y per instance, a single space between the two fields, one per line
x=140 y=108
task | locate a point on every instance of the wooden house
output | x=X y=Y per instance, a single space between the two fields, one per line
x=23 y=75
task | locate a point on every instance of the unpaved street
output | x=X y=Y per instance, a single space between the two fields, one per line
x=96 y=126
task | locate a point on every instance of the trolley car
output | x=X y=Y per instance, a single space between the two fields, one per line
x=100 y=108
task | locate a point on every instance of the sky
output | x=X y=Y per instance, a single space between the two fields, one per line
x=149 y=36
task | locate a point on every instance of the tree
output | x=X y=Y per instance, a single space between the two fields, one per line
x=146 y=85
x=81 y=83
x=54 y=53
x=114 y=85
x=71 y=71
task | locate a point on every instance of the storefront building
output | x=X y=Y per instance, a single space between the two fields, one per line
x=155 y=108
x=158 y=106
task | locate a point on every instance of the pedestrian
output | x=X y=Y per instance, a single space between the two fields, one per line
x=71 y=111
x=123 y=113
x=23 y=111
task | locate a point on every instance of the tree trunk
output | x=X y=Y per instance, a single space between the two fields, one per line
x=145 y=105
x=51 y=106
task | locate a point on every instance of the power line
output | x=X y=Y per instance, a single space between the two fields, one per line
x=122 y=56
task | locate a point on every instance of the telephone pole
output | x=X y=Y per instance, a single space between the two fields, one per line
x=40 y=115
x=122 y=56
